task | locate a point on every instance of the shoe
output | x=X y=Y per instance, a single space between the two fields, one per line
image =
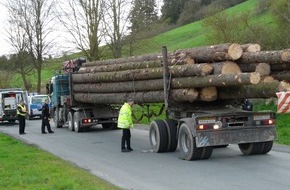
x=125 y=150
x=51 y=132
x=44 y=132
x=22 y=133
x=130 y=149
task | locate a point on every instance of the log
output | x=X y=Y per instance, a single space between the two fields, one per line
x=251 y=48
x=227 y=67
x=207 y=94
x=280 y=67
x=216 y=80
x=143 y=74
x=140 y=58
x=268 y=79
x=176 y=83
x=261 y=90
x=271 y=57
x=121 y=67
x=206 y=54
x=179 y=95
x=263 y=68
x=282 y=75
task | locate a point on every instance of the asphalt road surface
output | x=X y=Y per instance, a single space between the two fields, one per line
x=98 y=151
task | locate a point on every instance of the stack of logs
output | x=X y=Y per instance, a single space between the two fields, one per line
x=209 y=73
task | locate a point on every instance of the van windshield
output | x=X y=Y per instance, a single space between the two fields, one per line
x=39 y=99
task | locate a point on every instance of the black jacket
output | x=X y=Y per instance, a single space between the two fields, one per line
x=45 y=111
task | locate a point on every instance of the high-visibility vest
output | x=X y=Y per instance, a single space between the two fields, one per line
x=125 y=117
x=23 y=109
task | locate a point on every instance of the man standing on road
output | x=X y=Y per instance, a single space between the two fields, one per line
x=45 y=118
x=125 y=122
x=21 y=112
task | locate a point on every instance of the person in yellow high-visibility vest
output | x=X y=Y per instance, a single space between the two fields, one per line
x=125 y=122
x=21 y=112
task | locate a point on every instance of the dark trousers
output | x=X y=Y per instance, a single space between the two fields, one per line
x=21 y=120
x=45 y=122
x=126 y=139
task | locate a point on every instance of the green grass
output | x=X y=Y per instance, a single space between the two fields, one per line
x=27 y=167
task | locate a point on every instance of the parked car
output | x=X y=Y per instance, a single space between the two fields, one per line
x=35 y=103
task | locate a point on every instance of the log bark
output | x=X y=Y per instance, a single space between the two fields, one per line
x=251 y=48
x=282 y=75
x=143 y=74
x=206 y=54
x=140 y=58
x=271 y=57
x=176 y=83
x=262 y=90
x=179 y=95
x=227 y=67
x=280 y=67
x=263 y=68
x=216 y=80
x=121 y=67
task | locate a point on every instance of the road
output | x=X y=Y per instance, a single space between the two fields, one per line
x=98 y=151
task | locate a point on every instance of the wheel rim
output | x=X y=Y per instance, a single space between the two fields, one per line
x=184 y=142
x=153 y=137
x=76 y=121
x=70 y=121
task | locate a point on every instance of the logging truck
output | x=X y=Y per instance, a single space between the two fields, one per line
x=77 y=116
x=201 y=90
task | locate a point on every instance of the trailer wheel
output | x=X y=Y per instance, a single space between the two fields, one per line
x=187 y=145
x=267 y=146
x=70 y=120
x=158 y=136
x=172 y=132
x=77 y=122
x=251 y=148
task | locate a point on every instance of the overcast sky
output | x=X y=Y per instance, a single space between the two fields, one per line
x=5 y=47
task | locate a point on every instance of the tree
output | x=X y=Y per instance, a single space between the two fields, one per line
x=82 y=20
x=142 y=15
x=115 y=21
x=171 y=9
x=32 y=21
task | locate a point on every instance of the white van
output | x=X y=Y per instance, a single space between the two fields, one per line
x=35 y=104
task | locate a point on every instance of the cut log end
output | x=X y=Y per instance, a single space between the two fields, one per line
x=251 y=48
x=263 y=68
x=285 y=55
x=255 y=78
x=235 y=51
x=284 y=86
x=230 y=68
x=208 y=94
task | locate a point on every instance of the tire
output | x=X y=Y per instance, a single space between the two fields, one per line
x=77 y=122
x=172 y=132
x=187 y=145
x=206 y=152
x=251 y=148
x=56 y=119
x=267 y=146
x=158 y=136
x=70 y=120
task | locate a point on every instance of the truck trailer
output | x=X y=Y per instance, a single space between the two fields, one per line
x=93 y=93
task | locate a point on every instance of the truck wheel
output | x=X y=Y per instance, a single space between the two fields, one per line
x=251 y=148
x=158 y=136
x=187 y=145
x=77 y=122
x=56 y=120
x=70 y=120
x=267 y=146
x=206 y=152
x=172 y=132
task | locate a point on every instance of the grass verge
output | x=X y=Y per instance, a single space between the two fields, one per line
x=27 y=167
